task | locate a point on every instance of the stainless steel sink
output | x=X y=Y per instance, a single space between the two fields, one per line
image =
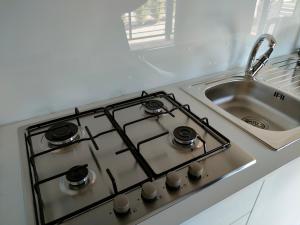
x=267 y=113
x=257 y=104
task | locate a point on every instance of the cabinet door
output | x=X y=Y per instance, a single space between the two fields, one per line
x=279 y=200
x=230 y=210
x=241 y=221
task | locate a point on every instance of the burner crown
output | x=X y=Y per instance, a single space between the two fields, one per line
x=62 y=132
x=77 y=175
x=153 y=106
x=185 y=135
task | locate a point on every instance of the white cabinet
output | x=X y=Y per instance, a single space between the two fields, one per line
x=279 y=200
x=274 y=200
x=232 y=210
x=241 y=221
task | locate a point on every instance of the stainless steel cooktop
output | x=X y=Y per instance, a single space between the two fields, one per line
x=122 y=163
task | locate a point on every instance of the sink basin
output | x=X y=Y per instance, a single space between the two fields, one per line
x=257 y=104
x=269 y=114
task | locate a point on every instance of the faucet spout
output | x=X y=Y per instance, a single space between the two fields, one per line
x=253 y=67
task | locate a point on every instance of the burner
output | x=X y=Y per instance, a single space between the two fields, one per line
x=62 y=133
x=77 y=176
x=72 y=188
x=185 y=135
x=153 y=106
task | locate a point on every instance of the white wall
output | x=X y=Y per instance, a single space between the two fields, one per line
x=56 y=54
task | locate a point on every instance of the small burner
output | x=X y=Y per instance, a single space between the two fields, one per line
x=184 y=135
x=73 y=188
x=77 y=176
x=154 y=106
x=62 y=133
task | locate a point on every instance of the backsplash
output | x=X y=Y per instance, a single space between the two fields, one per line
x=57 y=54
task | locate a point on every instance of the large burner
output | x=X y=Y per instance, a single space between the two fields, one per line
x=184 y=135
x=62 y=133
x=154 y=106
x=78 y=176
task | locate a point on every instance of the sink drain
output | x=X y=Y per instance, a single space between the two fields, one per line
x=256 y=122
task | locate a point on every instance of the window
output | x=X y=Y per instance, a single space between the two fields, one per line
x=268 y=14
x=151 y=24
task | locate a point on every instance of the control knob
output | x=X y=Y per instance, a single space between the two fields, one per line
x=121 y=204
x=195 y=170
x=149 y=191
x=173 y=180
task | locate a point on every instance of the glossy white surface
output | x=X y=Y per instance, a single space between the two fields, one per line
x=230 y=210
x=241 y=221
x=278 y=202
x=62 y=53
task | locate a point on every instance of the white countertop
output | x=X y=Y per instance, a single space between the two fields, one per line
x=11 y=197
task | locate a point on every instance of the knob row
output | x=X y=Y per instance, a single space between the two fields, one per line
x=121 y=202
x=174 y=180
x=149 y=191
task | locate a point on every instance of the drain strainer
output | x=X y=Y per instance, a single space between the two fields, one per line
x=256 y=122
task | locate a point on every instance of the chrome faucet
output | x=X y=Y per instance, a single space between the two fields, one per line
x=252 y=68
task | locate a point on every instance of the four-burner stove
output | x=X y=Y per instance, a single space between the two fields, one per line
x=121 y=163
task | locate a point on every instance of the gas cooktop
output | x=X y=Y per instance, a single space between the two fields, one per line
x=124 y=162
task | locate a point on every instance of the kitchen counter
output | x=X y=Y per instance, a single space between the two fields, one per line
x=11 y=198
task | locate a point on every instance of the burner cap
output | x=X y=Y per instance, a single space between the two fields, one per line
x=62 y=132
x=77 y=175
x=153 y=106
x=185 y=135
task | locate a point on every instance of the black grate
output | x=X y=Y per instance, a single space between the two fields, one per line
x=202 y=122
x=36 y=181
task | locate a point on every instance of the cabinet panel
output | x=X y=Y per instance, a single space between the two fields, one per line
x=241 y=221
x=279 y=200
x=230 y=209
